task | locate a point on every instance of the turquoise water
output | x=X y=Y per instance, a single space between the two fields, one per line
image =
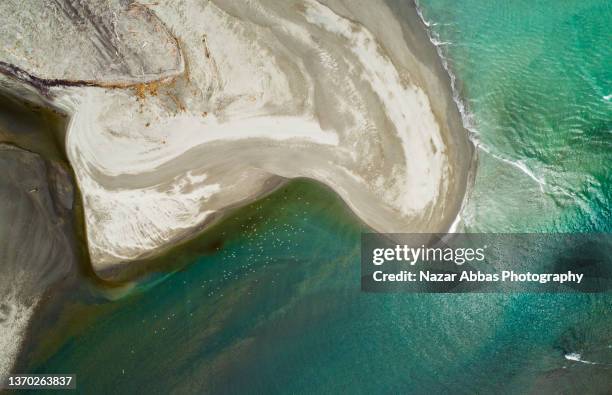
x=536 y=76
x=273 y=304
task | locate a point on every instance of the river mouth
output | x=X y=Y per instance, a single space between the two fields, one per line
x=266 y=299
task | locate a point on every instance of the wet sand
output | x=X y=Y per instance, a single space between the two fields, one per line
x=38 y=232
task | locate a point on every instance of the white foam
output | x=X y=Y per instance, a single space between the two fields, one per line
x=466 y=116
x=455 y=225
x=574 y=356
x=519 y=164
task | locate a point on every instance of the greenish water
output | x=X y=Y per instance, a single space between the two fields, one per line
x=272 y=303
x=536 y=76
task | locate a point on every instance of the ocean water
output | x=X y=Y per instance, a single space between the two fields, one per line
x=269 y=300
x=536 y=79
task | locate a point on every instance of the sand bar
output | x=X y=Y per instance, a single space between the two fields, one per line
x=338 y=91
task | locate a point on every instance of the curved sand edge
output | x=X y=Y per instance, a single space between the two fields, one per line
x=299 y=89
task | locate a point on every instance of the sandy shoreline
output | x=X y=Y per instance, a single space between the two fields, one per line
x=343 y=93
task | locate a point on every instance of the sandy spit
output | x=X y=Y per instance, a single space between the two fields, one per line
x=344 y=92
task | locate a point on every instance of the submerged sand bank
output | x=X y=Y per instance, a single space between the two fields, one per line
x=37 y=242
x=337 y=91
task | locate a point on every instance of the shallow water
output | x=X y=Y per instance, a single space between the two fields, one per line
x=536 y=77
x=273 y=303
x=278 y=309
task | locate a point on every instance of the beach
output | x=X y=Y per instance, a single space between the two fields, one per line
x=331 y=92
